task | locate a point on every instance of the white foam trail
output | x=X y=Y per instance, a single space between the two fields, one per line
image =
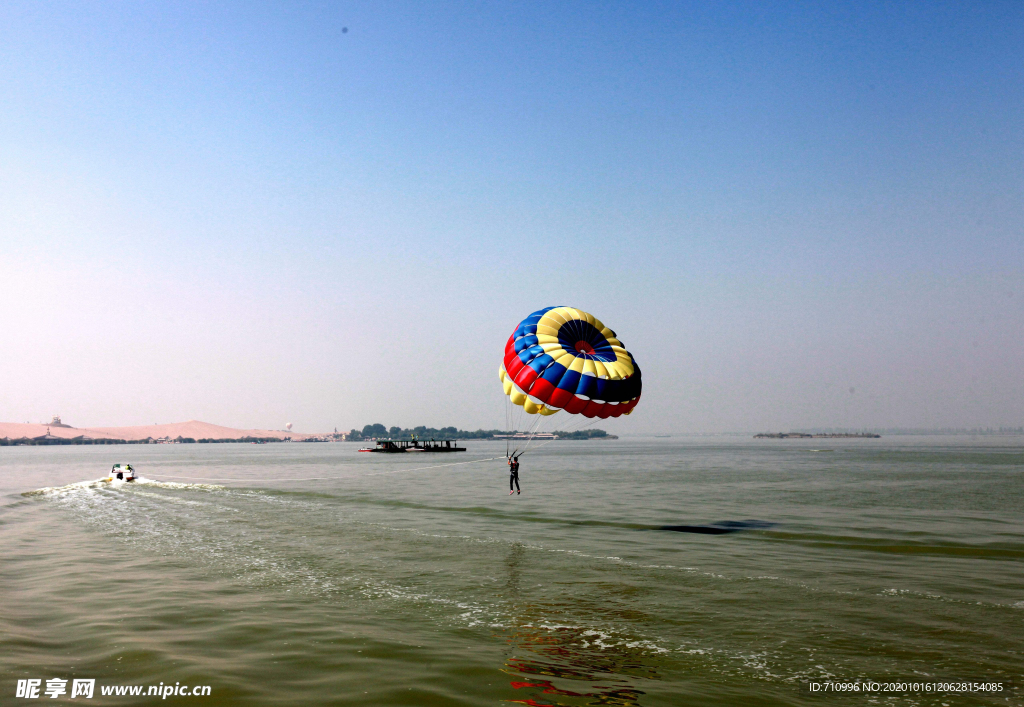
x=68 y=488
x=108 y=483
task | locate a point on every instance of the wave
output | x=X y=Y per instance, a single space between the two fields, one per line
x=895 y=546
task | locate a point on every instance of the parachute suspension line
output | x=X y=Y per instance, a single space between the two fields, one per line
x=436 y=466
x=579 y=428
x=516 y=419
x=511 y=426
x=576 y=425
x=532 y=431
x=535 y=428
x=516 y=424
x=331 y=478
x=508 y=421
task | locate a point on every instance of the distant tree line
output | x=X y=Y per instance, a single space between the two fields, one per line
x=583 y=434
x=210 y=440
x=379 y=431
x=240 y=439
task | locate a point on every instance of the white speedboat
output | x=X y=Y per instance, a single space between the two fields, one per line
x=122 y=472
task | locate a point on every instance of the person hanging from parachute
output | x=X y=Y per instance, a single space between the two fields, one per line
x=513 y=473
x=562 y=359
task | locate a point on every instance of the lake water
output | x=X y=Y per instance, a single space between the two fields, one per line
x=310 y=574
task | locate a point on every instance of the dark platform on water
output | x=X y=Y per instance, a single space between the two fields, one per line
x=390 y=446
x=725 y=526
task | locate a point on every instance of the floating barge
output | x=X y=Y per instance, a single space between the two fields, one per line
x=390 y=446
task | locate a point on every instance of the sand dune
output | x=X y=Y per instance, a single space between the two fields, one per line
x=193 y=428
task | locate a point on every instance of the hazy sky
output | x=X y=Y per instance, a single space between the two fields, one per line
x=793 y=215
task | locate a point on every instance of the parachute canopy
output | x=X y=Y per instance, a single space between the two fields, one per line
x=561 y=358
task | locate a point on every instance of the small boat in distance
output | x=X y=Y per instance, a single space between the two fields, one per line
x=122 y=472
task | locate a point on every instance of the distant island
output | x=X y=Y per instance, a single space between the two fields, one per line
x=584 y=434
x=926 y=431
x=804 y=435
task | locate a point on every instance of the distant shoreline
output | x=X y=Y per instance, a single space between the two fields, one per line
x=16 y=434
x=802 y=435
x=57 y=433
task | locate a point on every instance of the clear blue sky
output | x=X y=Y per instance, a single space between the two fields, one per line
x=244 y=213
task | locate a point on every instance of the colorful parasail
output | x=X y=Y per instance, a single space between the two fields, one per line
x=561 y=358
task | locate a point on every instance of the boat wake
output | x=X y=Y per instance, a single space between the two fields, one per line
x=108 y=483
